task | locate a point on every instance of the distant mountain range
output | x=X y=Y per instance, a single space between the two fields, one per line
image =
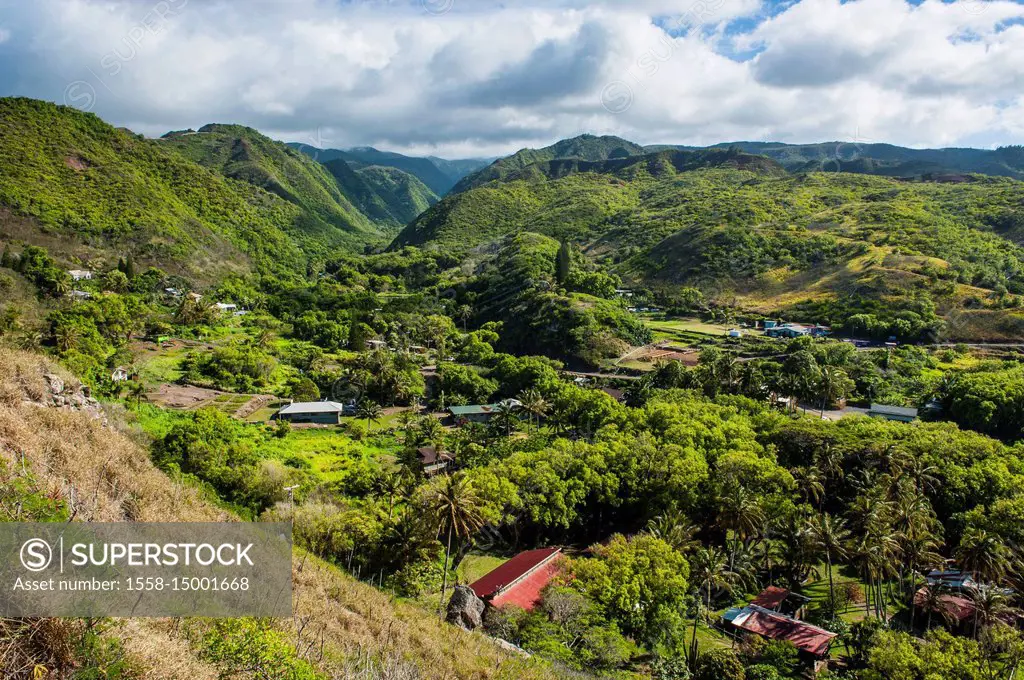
x=871 y=159
x=437 y=174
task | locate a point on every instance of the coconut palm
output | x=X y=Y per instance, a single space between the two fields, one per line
x=709 y=571
x=505 y=417
x=833 y=385
x=456 y=507
x=919 y=552
x=370 y=411
x=990 y=606
x=740 y=512
x=934 y=600
x=136 y=391
x=535 y=405
x=809 y=484
x=985 y=555
x=830 y=536
x=676 y=529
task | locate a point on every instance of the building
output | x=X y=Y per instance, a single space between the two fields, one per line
x=226 y=307
x=788 y=330
x=812 y=641
x=768 y=324
x=818 y=331
x=120 y=374
x=519 y=581
x=735 y=333
x=80 y=295
x=615 y=393
x=782 y=601
x=80 y=274
x=897 y=413
x=956 y=610
x=376 y=344
x=479 y=413
x=433 y=461
x=317 y=412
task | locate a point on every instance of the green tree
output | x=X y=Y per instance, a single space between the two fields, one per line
x=456 y=506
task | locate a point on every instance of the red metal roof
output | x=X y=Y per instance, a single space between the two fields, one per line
x=771 y=598
x=520 y=580
x=806 y=637
x=959 y=607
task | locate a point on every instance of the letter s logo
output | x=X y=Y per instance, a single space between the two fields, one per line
x=36 y=554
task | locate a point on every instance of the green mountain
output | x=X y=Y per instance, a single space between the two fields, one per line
x=438 y=174
x=584 y=147
x=883 y=159
x=386 y=195
x=84 y=189
x=244 y=154
x=823 y=246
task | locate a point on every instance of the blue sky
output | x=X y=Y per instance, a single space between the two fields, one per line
x=477 y=77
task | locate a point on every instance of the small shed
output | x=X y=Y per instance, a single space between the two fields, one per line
x=120 y=374
x=431 y=460
x=80 y=274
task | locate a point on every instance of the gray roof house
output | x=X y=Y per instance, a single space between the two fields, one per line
x=900 y=413
x=318 y=412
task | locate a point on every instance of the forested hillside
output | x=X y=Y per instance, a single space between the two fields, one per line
x=203 y=205
x=244 y=154
x=826 y=245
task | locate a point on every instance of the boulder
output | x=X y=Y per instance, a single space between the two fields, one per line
x=465 y=609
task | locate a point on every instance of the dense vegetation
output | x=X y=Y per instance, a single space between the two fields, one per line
x=680 y=493
x=821 y=247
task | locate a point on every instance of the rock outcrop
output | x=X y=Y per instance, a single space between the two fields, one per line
x=465 y=609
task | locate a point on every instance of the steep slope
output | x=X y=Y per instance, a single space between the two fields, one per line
x=388 y=196
x=822 y=245
x=584 y=147
x=437 y=174
x=459 y=168
x=68 y=178
x=244 y=154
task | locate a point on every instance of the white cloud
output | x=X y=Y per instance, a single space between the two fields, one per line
x=490 y=78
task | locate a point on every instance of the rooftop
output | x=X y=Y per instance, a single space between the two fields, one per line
x=312 y=407
x=775 y=626
x=520 y=580
x=771 y=598
x=894 y=410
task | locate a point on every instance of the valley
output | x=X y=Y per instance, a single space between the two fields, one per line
x=688 y=388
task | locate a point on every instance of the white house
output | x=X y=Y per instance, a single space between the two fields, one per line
x=120 y=374
x=226 y=307
x=80 y=274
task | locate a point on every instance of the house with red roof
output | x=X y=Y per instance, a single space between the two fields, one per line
x=810 y=640
x=519 y=581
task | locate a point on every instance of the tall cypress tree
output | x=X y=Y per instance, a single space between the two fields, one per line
x=563 y=263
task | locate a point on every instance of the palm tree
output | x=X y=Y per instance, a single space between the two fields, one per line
x=535 y=405
x=833 y=385
x=740 y=512
x=66 y=336
x=456 y=507
x=919 y=550
x=985 y=555
x=369 y=411
x=830 y=535
x=676 y=529
x=389 y=485
x=933 y=601
x=809 y=485
x=505 y=417
x=137 y=391
x=990 y=606
x=709 y=571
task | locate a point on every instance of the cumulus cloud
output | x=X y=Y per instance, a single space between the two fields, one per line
x=466 y=77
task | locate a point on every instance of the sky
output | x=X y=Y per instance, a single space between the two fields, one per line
x=478 y=78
